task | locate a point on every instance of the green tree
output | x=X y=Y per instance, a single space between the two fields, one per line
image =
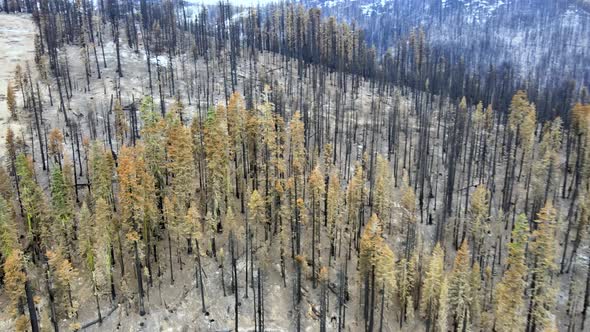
x=8 y=230
x=33 y=202
x=63 y=210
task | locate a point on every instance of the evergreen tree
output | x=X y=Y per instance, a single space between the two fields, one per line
x=543 y=293
x=443 y=309
x=8 y=229
x=11 y=101
x=430 y=300
x=63 y=209
x=460 y=289
x=509 y=302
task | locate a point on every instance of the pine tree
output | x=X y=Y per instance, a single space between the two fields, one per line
x=478 y=215
x=63 y=274
x=154 y=143
x=476 y=296
x=32 y=200
x=431 y=287
x=297 y=131
x=11 y=101
x=8 y=230
x=332 y=212
x=443 y=307
x=460 y=289
x=63 y=209
x=385 y=271
x=355 y=199
x=14 y=281
x=136 y=200
x=370 y=243
x=522 y=118
x=408 y=205
x=382 y=191
x=522 y=122
x=86 y=244
x=546 y=163
x=121 y=126
x=509 y=305
x=180 y=164
x=101 y=171
x=543 y=293
x=192 y=229
x=216 y=142
x=257 y=212
x=406 y=283
x=316 y=186
x=103 y=242
x=56 y=145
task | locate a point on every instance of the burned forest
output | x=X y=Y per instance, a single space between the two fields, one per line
x=167 y=165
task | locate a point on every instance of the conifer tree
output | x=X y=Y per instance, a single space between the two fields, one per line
x=333 y=210
x=381 y=273
x=509 y=305
x=522 y=119
x=478 y=215
x=155 y=144
x=173 y=228
x=382 y=191
x=476 y=296
x=180 y=163
x=192 y=229
x=543 y=294
x=370 y=243
x=216 y=142
x=56 y=145
x=121 y=126
x=545 y=165
x=408 y=205
x=443 y=307
x=33 y=202
x=257 y=212
x=14 y=281
x=101 y=173
x=86 y=246
x=316 y=186
x=11 y=101
x=406 y=283
x=8 y=230
x=355 y=199
x=385 y=271
x=136 y=195
x=103 y=242
x=430 y=301
x=63 y=209
x=460 y=289
x=63 y=274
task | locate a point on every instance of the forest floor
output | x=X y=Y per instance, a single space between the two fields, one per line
x=17 y=37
